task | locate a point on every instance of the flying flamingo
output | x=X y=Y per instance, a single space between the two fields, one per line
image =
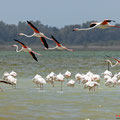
x=58 y=46
x=117 y=61
x=36 y=34
x=111 y=63
x=26 y=49
x=102 y=25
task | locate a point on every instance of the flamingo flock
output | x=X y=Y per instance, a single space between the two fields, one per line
x=88 y=80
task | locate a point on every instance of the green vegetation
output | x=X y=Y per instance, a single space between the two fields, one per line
x=100 y=37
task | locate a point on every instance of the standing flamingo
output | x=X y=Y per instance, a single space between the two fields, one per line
x=59 y=46
x=36 y=34
x=102 y=25
x=26 y=49
x=71 y=83
x=67 y=74
x=60 y=78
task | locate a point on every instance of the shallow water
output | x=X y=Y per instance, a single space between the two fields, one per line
x=27 y=102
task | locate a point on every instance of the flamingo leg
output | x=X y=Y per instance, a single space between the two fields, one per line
x=61 y=86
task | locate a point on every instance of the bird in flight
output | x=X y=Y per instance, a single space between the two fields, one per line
x=36 y=34
x=102 y=25
x=117 y=61
x=58 y=45
x=26 y=49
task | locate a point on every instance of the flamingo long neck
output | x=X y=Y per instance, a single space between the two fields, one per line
x=48 y=38
x=17 y=49
x=52 y=48
x=28 y=35
x=112 y=64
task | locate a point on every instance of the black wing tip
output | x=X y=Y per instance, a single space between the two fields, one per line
x=36 y=59
x=44 y=42
x=15 y=40
x=28 y=21
x=52 y=37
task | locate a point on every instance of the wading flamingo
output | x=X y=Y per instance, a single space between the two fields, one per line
x=67 y=75
x=36 y=34
x=26 y=49
x=39 y=81
x=71 y=83
x=58 y=46
x=102 y=25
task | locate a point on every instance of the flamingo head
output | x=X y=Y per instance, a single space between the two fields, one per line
x=14 y=45
x=14 y=74
x=107 y=60
x=20 y=34
x=107 y=20
x=75 y=29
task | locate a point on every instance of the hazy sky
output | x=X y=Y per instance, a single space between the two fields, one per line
x=59 y=12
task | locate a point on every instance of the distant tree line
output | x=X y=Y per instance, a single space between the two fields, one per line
x=102 y=37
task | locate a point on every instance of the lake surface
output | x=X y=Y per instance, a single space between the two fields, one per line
x=27 y=102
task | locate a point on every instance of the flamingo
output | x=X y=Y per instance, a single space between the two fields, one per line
x=11 y=80
x=50 y=78
x=107 y=72
x=111 y=82
x=111 y=63
x=60 y=78
x=58 y=46
x=13 y=73
x=71 y=83
x=36 y=34
x=78 y=77
x=102 y=25
x=26 y=49
x=5 y=75
x=39 y=81
x=67 y=74
x=91 y=85
x=117 y=61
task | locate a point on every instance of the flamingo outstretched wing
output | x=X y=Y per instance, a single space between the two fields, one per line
x=33 y=27
x=44 y=42
x=33 y=55
x=21 y=43
x=92 y=26
x=58 y=44
x=67 y=48
x=106 y=21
